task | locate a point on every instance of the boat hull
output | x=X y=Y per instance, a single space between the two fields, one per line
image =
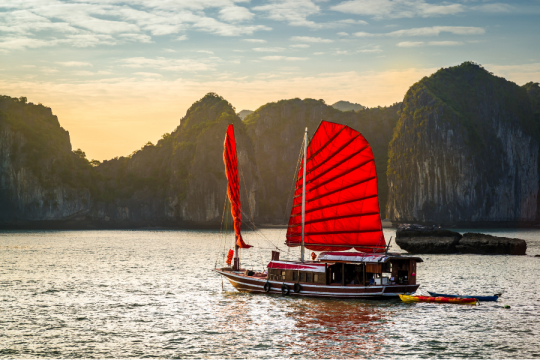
x=432 y=299
x=244 y=283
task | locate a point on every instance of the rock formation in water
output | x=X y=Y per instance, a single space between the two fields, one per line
x=40 y=177
x=419 y=239
x=277 y=130
x=465 y=150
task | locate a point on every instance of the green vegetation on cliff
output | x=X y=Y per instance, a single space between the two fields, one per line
x=462 y=150
x=182 y=176
x=277 y=131
x=43 y=146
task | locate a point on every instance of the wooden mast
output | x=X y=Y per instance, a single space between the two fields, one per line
x=304 y=196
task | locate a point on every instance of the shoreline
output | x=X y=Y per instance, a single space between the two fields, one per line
x=185 y=225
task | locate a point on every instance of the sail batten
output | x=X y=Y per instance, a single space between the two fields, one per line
x=334 y=218
x=233 y=186
x=342 y=205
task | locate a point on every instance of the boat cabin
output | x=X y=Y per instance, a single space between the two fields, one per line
x=348 y=268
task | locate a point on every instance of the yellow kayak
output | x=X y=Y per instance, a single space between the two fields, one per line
x=439 y=299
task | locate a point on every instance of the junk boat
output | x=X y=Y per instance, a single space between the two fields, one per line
x=335 y=210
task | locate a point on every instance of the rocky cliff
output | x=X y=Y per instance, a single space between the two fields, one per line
x=465 y=150
x=40 y=177
x=277 y=130
x=180 y=181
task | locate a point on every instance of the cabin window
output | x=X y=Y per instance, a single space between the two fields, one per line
x=295 y=275
x=302 y=277
x=316 y=278
x=283 y=275
x=308 y=277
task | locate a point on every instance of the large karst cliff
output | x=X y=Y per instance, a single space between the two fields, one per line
x=465 y=150
x=40 y=177
x=180 y=181
x=278 y=130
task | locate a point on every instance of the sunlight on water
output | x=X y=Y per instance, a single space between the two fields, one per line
x=152 y=294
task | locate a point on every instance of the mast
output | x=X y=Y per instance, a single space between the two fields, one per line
x=304 y=196
x=236 y=261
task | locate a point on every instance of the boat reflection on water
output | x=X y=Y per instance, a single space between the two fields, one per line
x=331 y=329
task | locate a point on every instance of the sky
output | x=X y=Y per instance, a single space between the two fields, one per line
x=121 y=73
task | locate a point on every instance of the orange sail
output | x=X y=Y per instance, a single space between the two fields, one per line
x=233 y=188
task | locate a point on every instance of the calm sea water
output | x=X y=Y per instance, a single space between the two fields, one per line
x=122 y=294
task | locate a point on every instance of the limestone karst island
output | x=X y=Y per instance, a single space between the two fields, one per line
x=461 y=149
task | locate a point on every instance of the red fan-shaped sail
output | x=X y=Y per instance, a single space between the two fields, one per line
x=233 y=187
x=342 y=202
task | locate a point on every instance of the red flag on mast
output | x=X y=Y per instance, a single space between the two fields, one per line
x=233 y=187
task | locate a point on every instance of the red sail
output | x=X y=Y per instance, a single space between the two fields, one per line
x=233 y=188
x=342 y=202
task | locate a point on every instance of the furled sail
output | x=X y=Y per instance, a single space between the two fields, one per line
x=342 y=202
x=233 y=187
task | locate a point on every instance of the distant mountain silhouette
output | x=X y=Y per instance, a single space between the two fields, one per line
x=347 y=106
x=242 y=114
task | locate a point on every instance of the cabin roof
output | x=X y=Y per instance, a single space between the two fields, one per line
x=290 y=265
x=330 y=256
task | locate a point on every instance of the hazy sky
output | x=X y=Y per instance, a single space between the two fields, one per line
x=121 y=73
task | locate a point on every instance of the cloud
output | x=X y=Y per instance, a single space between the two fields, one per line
x=286 y=58
x=351 y=21
x=148 y=74
x=41 y=23
x=310 y=39
x=397 y=8
x=294 y=13
x=431 y=43
x=299 y=46
x=168 y=64
x=428 y=31
x=260 y=41
x=48 y=70
x=370 y=49
x=496 y=8
x=181 y=38
x=235 y=14
x=445 y=43
x=205 y=52
x=269 y=49
x=343 y=33
x=83 y=73
x=23 y=42
x=74 y=63
x=407 y=44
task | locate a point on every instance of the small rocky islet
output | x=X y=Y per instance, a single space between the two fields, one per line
x=418 y=239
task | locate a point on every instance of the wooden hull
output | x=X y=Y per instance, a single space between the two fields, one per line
x=244 y=283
